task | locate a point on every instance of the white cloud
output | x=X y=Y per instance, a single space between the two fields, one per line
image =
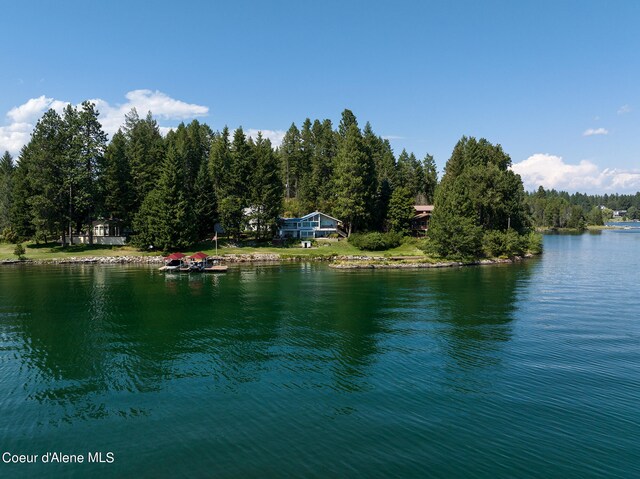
x=22 y=118
x=551 y=171
x=33 y=109
x=596 y=131
x=161 y=105
x=624 y=109
x=14 y=136
x=276 y=136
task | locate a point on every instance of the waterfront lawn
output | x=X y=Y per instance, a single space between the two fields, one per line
x=320 y=249
x=51 y=251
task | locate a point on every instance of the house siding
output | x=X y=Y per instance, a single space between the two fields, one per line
x=313 y=225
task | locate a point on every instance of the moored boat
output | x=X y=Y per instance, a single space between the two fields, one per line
x=198 y=261
x=214 y=265
x=173 y=262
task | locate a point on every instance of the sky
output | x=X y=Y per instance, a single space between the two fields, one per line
x=556 y=83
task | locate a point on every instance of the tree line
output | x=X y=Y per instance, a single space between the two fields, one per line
x=559 y=209
x=170 y=191
x=480 y=207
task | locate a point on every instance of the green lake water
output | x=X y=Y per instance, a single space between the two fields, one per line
x=297 y=370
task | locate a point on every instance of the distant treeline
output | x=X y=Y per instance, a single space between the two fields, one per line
x=170 y=191
x=559 y=209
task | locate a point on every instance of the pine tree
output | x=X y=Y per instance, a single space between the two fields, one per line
x=117 y=183
x=145 y=151
x=290 y=159
x=166 y=219
x=220 y=165
x=353 y=181
x=347 y=120
x=266 y=188
x=21 y=193
x=240 y=171
x=430 y=179
x=6 y=187
x=384 y=173
x=204 y=202
x=409 y=173
x=401 y=210
x=478 y=194
x=192 y=144
x=307 y=191
x=45 y=174
x=323 y=163
x=231 y=164
x=84 y=157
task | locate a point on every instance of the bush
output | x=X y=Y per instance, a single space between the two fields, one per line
x=375 y=241
x=9 y=235
x=493 y=244
x=456 y=238
x=426 y=246
x=504 y=243
x=534 y=243
x=19 y=251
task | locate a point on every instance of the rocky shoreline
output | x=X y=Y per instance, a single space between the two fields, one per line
x=336 y=262
x=382 y=263
x=132 y=259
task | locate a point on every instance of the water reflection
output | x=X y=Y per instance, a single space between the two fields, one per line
x=86 y=333
x=475 y=308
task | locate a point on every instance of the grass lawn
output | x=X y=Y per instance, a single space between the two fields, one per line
x=53 y=250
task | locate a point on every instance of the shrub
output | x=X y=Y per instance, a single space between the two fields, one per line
x=504 y=243
x=19 y=251
x=9 y=235
x=534 y=243
x=456 y=238
x=493 y=243
x=426 y=246
x=375 y=241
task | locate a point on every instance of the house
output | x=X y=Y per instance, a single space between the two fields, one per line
x=107 y=232
x=619 y=213
x=313 y=225
x=420 y=221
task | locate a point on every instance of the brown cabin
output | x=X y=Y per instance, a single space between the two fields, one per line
x=420 y=221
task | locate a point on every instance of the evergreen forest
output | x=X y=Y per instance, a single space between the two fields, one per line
x=171 y=191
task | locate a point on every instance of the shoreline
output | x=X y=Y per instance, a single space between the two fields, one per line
x=383 y=263
x=341 y=262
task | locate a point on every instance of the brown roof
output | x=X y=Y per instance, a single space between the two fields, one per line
x=423 y=208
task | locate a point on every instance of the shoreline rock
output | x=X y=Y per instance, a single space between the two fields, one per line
x=380 y=263
x=336 y=262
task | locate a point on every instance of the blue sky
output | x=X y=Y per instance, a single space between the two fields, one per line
x=556 y=83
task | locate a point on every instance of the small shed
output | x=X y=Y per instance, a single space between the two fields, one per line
x=305 y=244
x=103 y=231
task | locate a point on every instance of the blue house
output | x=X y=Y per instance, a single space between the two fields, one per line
x=313 y=225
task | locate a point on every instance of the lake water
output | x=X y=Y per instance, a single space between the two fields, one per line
x=527 y=370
